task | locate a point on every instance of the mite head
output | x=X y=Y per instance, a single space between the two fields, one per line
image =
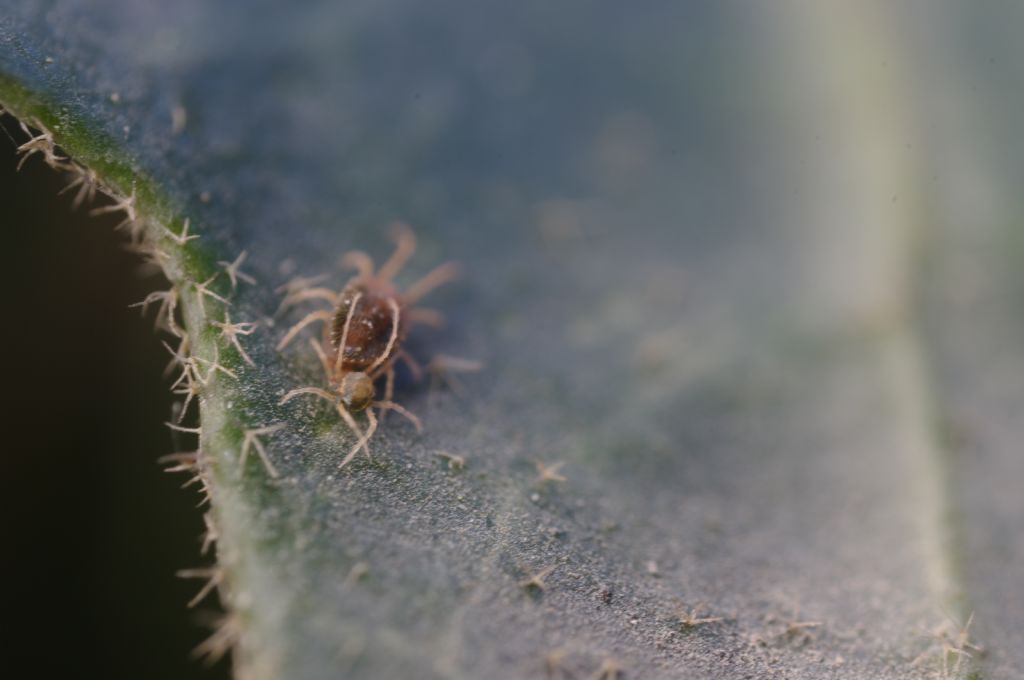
x=356 y=391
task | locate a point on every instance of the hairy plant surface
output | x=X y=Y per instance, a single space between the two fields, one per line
x=744 y=285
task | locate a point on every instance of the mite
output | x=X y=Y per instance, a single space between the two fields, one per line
x=364 y=331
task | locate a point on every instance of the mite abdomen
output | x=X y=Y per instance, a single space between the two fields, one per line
x=370 y=328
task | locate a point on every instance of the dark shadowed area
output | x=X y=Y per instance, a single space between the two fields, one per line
x=93 y=529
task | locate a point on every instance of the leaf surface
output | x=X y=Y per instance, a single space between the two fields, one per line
x=701 y=271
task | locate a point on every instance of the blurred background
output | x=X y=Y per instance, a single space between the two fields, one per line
x=94 y=530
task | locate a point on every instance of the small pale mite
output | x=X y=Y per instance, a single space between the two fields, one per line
x=364 y=332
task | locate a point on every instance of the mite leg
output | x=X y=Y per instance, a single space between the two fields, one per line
x=362 y=443
x=295 y=298
x=413 y=365
x=389 y=388
x=443 y=366
x=312 y=317
x=323 y=394
x=448 y=271
x=405 y=246
x=295 y=286
x=398 y=408
x=427 y=317
x=358 y=260
x=346 y=416
x=389 y=383
x=324 y=361
x=299 y=283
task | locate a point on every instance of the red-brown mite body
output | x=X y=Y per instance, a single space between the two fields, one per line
x=364 y=332
x=372 y=324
